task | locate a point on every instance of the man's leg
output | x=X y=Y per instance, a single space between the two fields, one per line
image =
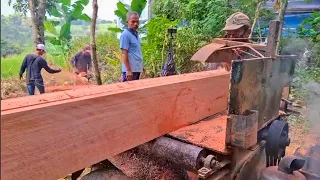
x=136 y=75
x=124 y=76
x=40 y=86
x=30 y=88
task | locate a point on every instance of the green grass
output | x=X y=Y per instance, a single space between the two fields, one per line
x=10 y=67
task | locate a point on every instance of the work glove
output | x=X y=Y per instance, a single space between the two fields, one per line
x=20 y=76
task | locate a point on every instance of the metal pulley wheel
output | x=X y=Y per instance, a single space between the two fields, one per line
x=277 y=141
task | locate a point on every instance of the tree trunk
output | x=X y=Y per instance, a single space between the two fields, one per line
x=232 y=3
x=37 y=17
x=150 y=4
x=282 y=12
x=93 y=42
x=256 y=16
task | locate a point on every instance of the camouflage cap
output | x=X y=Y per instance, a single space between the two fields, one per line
x=236 y=21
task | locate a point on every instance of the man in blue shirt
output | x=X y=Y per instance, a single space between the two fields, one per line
x=130 y=44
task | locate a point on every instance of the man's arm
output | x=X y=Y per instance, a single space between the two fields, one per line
x=74 y=59
x=44 y=65
x=124 y=45
x=90 y=65
x=125 y=59
x=23 y=67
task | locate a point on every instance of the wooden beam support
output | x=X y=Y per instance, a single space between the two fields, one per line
x=272 y=39
x=45 y=138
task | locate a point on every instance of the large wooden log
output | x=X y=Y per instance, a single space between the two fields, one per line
x=50 y=138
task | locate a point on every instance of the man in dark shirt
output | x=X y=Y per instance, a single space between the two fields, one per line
x=81 y=62
x=34 y=64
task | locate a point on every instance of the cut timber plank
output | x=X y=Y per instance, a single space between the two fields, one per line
x=93 y=90
x=50 y=139
x=210 y=134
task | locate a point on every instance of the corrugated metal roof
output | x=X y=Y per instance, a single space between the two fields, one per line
x=297 y=5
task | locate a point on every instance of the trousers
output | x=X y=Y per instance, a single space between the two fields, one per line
x=32 y=84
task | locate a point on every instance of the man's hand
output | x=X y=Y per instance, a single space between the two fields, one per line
x=75 y=70
x=129 y=75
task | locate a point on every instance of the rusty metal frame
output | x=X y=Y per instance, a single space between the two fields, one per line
x=242 y=129
x=239 y=46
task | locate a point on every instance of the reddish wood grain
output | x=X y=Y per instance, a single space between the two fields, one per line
x=210 y=134
x=74 y=129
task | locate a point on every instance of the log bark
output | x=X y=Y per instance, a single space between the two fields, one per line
x=52 y=138
x=93 y=42
x=37 y=16
x=282 y=12
x=150 y=5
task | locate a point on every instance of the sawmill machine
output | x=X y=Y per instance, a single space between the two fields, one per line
x=249 y=141
x=245 y=140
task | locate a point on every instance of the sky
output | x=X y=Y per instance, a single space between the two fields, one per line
x=105 y=11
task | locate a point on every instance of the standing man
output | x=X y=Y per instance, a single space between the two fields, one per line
x=130 y=45
x=237 y=28
x=82 y=62
x=34 y=64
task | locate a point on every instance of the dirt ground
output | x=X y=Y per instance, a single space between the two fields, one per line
x=65 y=80
x=298 y=129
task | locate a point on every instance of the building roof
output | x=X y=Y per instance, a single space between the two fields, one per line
x=297 y=6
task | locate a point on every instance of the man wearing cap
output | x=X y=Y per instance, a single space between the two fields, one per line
x=34 y=64
x=238 y=26
x=82 y=62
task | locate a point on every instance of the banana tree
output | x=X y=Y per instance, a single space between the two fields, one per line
x=122 y=10
x=66 y=13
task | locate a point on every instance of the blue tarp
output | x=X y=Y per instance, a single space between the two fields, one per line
x=291 y=23
x=294 y=20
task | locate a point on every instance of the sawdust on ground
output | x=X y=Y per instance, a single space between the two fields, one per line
x=65 y=80
x=139 y=164
x=298 y=129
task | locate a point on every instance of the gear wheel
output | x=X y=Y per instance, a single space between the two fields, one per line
x=277 y=141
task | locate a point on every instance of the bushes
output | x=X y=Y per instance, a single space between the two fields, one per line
x=187 y=42
x=155 y=44
x=310 y=28
x=7 y=48
x=307 y=47
x=199 y=21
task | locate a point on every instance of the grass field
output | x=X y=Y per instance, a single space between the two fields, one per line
x=10 y=66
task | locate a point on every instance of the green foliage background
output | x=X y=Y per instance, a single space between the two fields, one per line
x=198 y=21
